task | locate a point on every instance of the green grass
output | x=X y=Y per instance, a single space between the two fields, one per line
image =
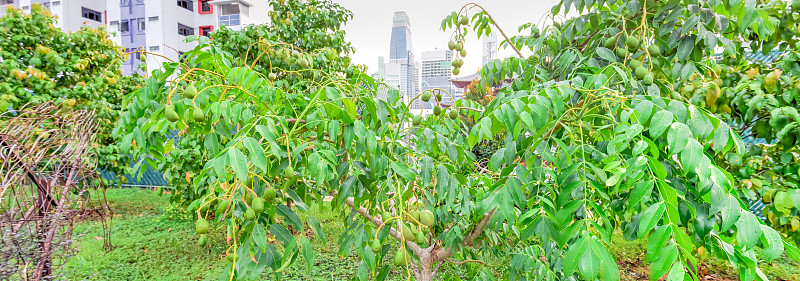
x=151 y=245
x=154 y=242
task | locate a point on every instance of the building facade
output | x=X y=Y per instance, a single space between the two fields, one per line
x=436 y=74
x=159 y=27
x=489 y=43
x=402 y=72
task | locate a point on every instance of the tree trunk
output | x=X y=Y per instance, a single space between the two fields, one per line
x=424 y=270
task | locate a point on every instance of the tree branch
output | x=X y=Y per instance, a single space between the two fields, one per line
x=378 y=222
x=442 y=253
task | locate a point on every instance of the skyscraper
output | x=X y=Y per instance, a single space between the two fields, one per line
x=436 y=74
x=401 y=71
x=489 y=48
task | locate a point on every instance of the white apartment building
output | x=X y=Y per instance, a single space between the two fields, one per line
x=156 y=26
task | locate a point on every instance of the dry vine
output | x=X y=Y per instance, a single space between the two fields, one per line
x=45 y=186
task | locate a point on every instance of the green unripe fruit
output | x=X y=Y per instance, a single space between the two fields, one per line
x=249 y=214
x=258 y=204
x=222 y=206
x=634 y=64
x=459 y=46
x=640 y=72
x=464 y=20
x=202 y=242
x=632 y=43
x=376 y=246
x=272 y=76
x=407 y=233
x=451 y=45
x=654 y=51
x=426 y=96
x=417 y=120
x=463 y=52
x=456 y=71
x=399 y=258
x=160 y=191
x=453 y=114
x=288 y=172
x=386 y=216
x=454 y=63
x=198 y=115
x=295 y=54
x=610 y=42
x=201 y=225
x=269 y=194
x=438 y=97
x=419 y=238
x=621 y=52
x=648 y=79
x=190 y=92
x=171 y=115
x=414 y=215
x=303 y=62
x=437 y=110
x=426 y=217
x=229 y=258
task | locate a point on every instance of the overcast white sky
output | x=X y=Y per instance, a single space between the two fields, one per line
x=370 y=29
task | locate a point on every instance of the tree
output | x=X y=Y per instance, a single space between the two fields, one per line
x=598 y=101
x=593 y=143
x=278 y=51
x=478 y=93
x=83 y=69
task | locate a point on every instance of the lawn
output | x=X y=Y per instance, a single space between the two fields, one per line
x=153 y=241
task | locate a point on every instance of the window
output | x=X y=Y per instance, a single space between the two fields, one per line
x=92 y=14
x=185 y=30
x=114 y=22
x=141 y=24
x=205 y=7
x=186 y=4
x=154 y=48
x=153 y=18
x=206 y=30
x=6 y=2
x=124 y=26
x=229 y=20
x=26 y=7
x=124 y=3
x=56 y=3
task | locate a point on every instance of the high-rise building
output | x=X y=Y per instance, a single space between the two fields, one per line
x=161 y=27
x=436 y=74
x=489 y=48
x=401 y=71
x=71 y=15
x=158 y=27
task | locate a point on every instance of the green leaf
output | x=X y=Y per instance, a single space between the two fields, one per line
x=426 y=170
x=574 y=254
x=661 y=120
x=257 y=156
x=315 y=225
x=308 y=253
x=692 y=155
x=664 y=263
x=402 y=170
x=677 y=137
x=589 y=266
x=783 y=202
x=281 y=234
x=238 y=163
x=650 y=218
x=748 y=230
x=291 y=217
x=685 y=48
x=260 y=237
x=731 y=211
x=773 y=244
x=606 y=54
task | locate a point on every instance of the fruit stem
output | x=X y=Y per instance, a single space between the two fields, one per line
x=496 y=25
